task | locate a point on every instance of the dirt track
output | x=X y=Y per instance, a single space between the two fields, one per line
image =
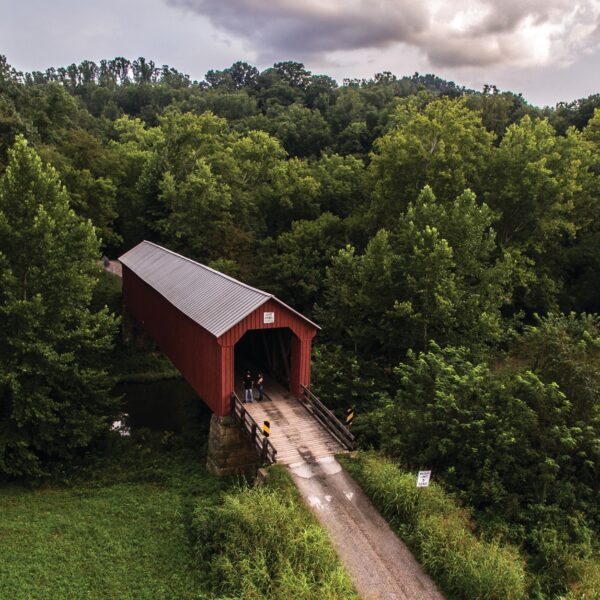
x=380 y=564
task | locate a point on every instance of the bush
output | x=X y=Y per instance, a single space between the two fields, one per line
x=262 y=542
x=440 y=533
x=588 y=586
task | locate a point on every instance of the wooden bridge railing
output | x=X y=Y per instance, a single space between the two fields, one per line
x=266 y=450
x=327 y=419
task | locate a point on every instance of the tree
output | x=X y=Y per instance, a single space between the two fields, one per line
x=359 y=291
x=293 y=265
x=436 y=274
x=581 y=257
x=543 y=188
x=342 y=184
x=293 y=72
x=54 y=394
x=440 y=143
x=302 y=131
x=534 y=179
x=507 y=440
x=210 y=191
x=453 y=278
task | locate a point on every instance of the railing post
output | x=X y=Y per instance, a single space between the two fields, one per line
x=254 y=428
x=233 y=404
x=265 y=449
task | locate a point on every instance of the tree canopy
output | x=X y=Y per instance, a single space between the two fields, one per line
x=445 y=238
x=54 y=393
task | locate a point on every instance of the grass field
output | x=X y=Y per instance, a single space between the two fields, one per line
x=117 y=532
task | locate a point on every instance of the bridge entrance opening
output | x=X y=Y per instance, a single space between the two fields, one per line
x=266 y=351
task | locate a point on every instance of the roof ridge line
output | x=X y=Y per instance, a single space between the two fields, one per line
x=265 y=296
x=225 y=276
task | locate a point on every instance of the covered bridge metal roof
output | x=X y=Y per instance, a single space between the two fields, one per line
x=212 y=299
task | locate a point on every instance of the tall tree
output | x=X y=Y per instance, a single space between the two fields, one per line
x=54 y=394
x=440 y=143
x=542 y=186
x=436 y=274
x=293 y=265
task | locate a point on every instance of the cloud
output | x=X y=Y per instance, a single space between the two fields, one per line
x=463 y=33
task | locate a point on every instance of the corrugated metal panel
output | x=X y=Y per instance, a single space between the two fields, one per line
x=215 y=301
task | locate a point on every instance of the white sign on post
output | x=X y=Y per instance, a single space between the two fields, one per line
x=269 y=317
x=423 y=478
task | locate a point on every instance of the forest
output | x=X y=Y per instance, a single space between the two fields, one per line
x=446 y=239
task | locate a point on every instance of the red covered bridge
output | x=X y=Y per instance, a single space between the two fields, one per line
x=213 y=328
x=197 y=315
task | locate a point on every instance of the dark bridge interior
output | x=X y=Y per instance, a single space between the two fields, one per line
x=267 y=351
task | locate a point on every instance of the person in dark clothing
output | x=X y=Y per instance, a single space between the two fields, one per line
x=260 y=382
x=248 y=387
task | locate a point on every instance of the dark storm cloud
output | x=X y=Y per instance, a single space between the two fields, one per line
x=313 y=26
x=461 y=33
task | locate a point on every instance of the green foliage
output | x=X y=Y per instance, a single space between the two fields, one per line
x=296 y=261
x=440 y=534
x=514 y=446
x=342 y=183
x=114 y=530
x=107 y=292
x=130 y=365
x=340 y=378
x=210 y=192
x=436 y=273
x=543 y=187
x=302 y=131
x=440 y=143
x=54 y=394
x=262 y=542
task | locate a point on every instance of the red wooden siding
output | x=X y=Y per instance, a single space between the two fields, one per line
x=303 y=334
x=207 y=362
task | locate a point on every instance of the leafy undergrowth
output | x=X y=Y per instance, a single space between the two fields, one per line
x=588 y=586
x=119 y=525
x=262 y=542
x=141 y=366
x=117 y=529
x=440 y=533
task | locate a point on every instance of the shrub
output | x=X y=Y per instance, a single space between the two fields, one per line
x=440 y=534
x=588 y=586
x=262 y=542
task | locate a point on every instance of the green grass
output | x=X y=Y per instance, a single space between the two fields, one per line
x=117 y=530
x=262 y=542
x=125 y=541
x=440 y=533
x=144 y=520
x=588 y=586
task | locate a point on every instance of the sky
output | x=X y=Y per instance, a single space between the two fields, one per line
x=548 y=50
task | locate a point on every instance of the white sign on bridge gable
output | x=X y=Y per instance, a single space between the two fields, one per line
x=423 y=478
x=269 y=317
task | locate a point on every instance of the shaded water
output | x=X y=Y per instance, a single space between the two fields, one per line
x=166 y=405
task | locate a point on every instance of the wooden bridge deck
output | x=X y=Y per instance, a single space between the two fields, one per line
x=295 y=433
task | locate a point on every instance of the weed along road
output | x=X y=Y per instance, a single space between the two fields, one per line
x=380 y=564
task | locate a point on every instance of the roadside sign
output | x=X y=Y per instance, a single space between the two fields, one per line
x=349 y=416
x=423 y=478
x=269 y=317
x=266 y=428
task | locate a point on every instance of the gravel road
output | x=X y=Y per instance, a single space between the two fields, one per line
x=379 y=563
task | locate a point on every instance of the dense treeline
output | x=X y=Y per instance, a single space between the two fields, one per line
x=447 y=240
